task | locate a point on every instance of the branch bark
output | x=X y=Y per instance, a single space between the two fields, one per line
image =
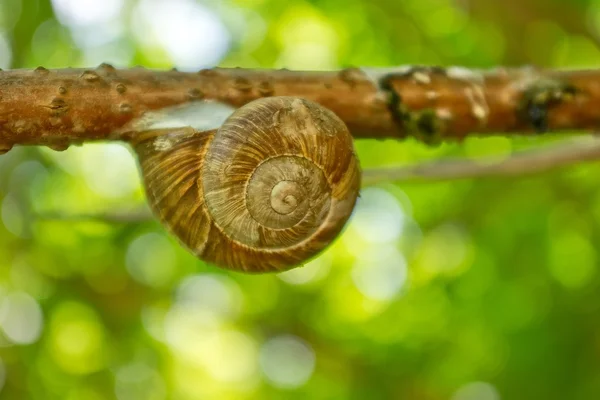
x=69 y=106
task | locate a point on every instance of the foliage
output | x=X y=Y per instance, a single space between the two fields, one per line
x=476 y=289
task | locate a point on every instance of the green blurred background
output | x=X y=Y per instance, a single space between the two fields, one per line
x=469 y=290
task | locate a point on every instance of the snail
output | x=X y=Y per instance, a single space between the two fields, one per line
x=266 y=191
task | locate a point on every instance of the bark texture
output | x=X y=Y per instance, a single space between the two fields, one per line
x=69 y=106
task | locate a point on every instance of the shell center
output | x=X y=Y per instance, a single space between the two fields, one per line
x=284 y=197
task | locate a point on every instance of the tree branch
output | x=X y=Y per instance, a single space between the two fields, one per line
x=70 y=106
x=523 y=163
x=112 y=217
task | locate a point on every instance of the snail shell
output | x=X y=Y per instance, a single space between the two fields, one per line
x=268 y=190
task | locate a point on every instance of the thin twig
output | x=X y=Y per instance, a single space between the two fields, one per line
x=111 y=217
x=527 y=162
x=557 y=155
x=523 y=163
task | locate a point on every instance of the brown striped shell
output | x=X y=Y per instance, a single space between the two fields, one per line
x=269 y=189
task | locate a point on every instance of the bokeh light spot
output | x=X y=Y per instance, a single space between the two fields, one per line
x=86 y=12
x=381 y=273
x=287 y=361
x=12 y=215
x=187 y=332
x=110 y=170
x=312 y=271
x=476 y=391
x=193 y=35
x=138 y=381
x=378 y=217
x=231 y=357
x=21 y=318
x=215 y=293
x=77 y=339
x=445 y=250
x=308 y=39
x=576 y=51
x=10 y=13
x=444 y=19
x=151 y=260
x=572 y=258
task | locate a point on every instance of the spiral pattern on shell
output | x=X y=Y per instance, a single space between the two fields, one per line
x=268 y=190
